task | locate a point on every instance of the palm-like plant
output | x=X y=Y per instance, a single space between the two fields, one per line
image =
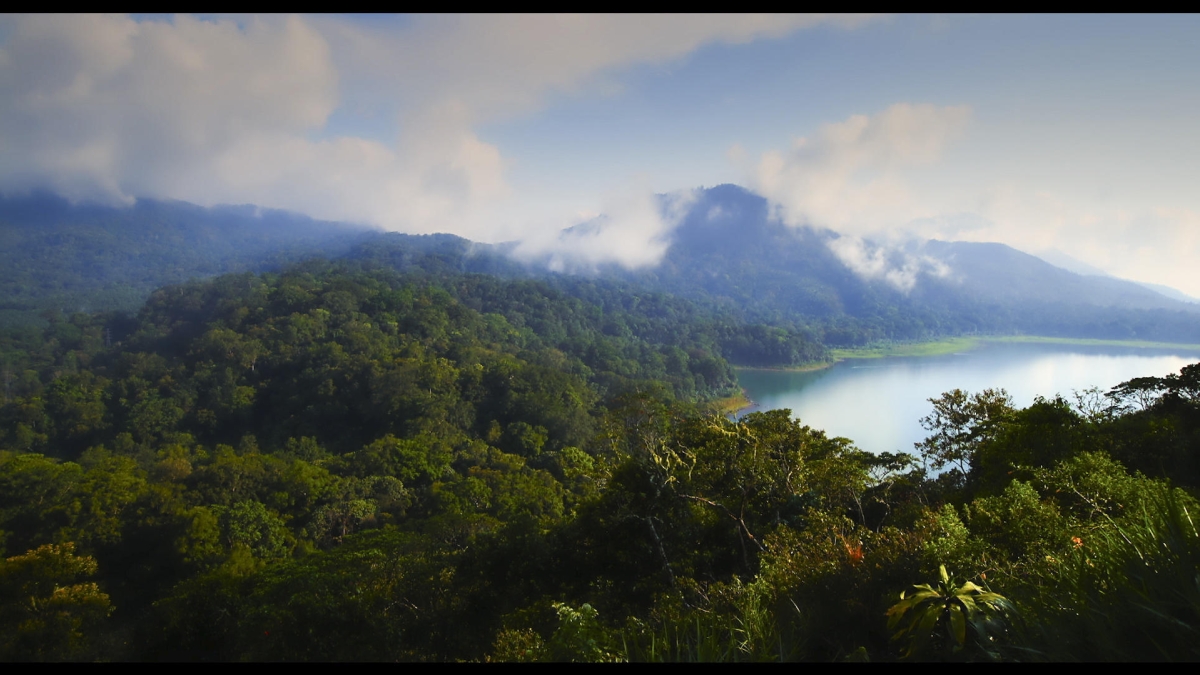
x=933 y=619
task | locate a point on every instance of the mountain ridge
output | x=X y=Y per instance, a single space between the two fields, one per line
x=728 y=249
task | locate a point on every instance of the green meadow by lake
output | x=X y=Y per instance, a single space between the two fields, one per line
x=878 y=402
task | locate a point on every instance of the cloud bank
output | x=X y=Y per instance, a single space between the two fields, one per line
x=387 y=122
x=110 y=109
x=885 y=178
x=634 y=232
x=849 y=177
x=105 y=108
x=894 y=265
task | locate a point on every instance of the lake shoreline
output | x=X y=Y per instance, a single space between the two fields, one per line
x=958 y=345
x=879 y=402
x=734 y=405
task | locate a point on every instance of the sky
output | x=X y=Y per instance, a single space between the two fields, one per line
x=1070 y=134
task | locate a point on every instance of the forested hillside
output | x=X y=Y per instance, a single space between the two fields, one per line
x=345 y=462
x=61 y=257
x=728 y=256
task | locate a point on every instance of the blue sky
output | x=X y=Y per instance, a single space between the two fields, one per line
x=1067 y=133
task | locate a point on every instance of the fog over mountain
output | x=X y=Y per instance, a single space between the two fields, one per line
x=730 y=244
x=1000 y=272
x=1060 y=259
x=512 y=127
x=1172 y=293
x=723 y=245
x=69 y=257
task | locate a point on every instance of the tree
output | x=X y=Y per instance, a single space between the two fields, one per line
x=961 y=423
x=252 y=525
x=47 y=613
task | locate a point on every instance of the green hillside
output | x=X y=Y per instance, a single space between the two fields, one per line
x=342 y=462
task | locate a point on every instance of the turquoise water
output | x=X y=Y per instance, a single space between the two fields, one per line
x=878 y=403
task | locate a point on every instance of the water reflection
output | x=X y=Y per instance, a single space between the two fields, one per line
x=879 y=403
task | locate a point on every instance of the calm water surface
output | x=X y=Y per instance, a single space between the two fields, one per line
x=878 y=403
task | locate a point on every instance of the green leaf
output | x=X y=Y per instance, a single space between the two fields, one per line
x=958 y=624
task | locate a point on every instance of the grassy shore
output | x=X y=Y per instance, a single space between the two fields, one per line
x=731 y=404
x=1091 y=342
x=803 y=368
x=962 y=344
x=954 y=345
x=932 y=348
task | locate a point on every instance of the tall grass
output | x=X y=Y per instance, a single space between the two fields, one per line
x=1130 y=592
x=748 y=633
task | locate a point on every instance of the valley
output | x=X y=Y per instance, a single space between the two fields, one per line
x=225 y=445
x=489 y=338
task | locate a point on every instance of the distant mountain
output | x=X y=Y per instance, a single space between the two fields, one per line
x=1060 y=259
x=1004 y=274
x=728 y=249
x=63 y=257
x=1172 y=293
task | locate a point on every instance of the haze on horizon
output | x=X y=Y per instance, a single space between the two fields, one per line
x=1048 y=133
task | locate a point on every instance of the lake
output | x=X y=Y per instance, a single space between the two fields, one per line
x=878 y=403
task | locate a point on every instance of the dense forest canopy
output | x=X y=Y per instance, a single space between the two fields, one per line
x=342 y=461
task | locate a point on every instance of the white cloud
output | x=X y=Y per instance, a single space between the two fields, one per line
x=849 y=177
x=862 y=178
x=899 y=268
x=100 y=107
x=501 y=65
x=221 y=111
x=1132 y=241
x=634 y=232
x=1159 y=245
